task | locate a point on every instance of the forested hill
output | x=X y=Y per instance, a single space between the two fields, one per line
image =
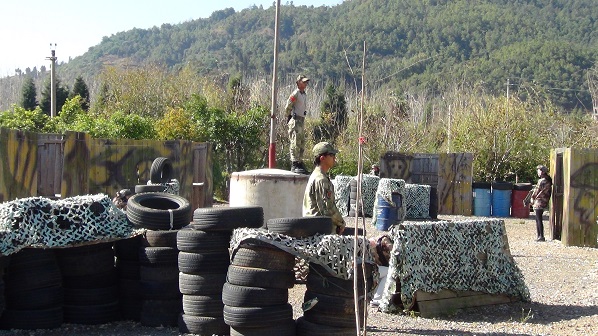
x=547 y=44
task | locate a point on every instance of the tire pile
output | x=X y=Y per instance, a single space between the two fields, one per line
x=203 y=263
x=329 y=302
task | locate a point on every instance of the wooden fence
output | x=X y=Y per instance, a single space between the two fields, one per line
x=450 y=176
x=56 y=165
x=574 y=203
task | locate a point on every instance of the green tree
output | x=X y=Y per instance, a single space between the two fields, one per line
x=27 y=120
x=62 y=94
x=29 y=94
x=333 y=115
x=80 y=89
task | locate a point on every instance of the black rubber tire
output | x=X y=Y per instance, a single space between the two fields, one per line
x=127 y=269
x=244 y=296
x=279 y=329
x=129 y=289
x=153 y=211
x=306 y=328
x=190 y=239
x=201 y=284
x=128 y=249
x=90 y=296
x=92 y=314
x=95 y=280
x=159 y=238
x=203 y=305
x=271 y=258
x=228 y=218
x=50 y=318
x=130 y=309
x=145 y=188
x=334 y=286
x=301 y=226
x=161 y=170
x=160 y=273
x=353 y=195
x=331 y=310
x=202 y=325
x=155 y=290
x=84 y=260
x=21 y=280
x=165 y=256
x=195 y=263
x=41 y=298
x=257 y=277
x=256 y=317
x=156 y=313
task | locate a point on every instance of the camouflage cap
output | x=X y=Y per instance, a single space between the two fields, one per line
x=324 y=148
x=542 y=168
x=302 y=78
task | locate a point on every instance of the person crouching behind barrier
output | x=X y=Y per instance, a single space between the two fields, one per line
x=381 y=247
x=121 y=198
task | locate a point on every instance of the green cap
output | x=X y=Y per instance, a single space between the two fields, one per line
x=324 y=148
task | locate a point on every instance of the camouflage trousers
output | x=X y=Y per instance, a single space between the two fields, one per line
x=297 y=138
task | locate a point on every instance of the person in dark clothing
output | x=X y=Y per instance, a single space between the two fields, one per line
x=540 y=197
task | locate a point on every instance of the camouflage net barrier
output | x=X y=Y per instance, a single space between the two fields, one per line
x=470 y=255
x=417 y=201
x=342 y=190
x=172 y=187
x=333 y=252
x=369 y=185
x=45 y=223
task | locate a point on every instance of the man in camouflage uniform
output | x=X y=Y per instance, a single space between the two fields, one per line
x=540 y=198
x=296 y=110
x=318 y=199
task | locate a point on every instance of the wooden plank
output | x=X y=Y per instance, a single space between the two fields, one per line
x=76 y=164
x=582 y=200
x=443 y=294
x=556 y=203
x=396 y=166
x=18 y=167
x=444 y=306
x=455 y=194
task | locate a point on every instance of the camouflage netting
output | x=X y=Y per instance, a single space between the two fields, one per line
x=470 y=255
x=333 y=252
x=172 y=187
x=342 y=190
x=41 y=222
x=417 y=201
x=386 y=187
x=369 y=185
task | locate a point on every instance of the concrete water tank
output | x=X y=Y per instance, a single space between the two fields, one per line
x=278 y=192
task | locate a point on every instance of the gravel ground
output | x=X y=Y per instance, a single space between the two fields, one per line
x=563 y=282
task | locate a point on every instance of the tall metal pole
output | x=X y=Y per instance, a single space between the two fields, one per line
x=272 y=148
x=52 y=80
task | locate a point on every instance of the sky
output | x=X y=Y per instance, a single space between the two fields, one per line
x=29 y=27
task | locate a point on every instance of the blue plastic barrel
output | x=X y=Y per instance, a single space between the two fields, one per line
x=482 y=199
x=501 y=199
x=387 y=215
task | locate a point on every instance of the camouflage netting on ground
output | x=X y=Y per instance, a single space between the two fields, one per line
x=386 y=187
x=470 y=255
x=41 y=222
x=333 y=252
x=172 y=187
x=342 y=190
x=417 y=201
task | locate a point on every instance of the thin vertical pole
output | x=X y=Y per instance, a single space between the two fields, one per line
x=52 y=81
x=272 y=148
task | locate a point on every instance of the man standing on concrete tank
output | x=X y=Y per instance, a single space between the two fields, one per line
x=318 y=199
x=296 y=110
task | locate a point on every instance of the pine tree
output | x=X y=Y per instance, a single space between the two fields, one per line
x=62 y=94
x=29 y=94
x=81 y=89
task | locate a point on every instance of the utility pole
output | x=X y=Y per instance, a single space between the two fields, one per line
x=272 y=148
x=52 y=80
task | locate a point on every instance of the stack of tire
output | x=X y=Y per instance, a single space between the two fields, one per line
x=4 y=260
x=33 y=291
x=90 y=284
x=162 y=215
x=353 y=199
x=161 y=172
x=331 y=299
x=127 y=268
x=203 y=264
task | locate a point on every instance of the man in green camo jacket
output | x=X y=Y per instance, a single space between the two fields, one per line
x=296 y=109
x=318 y=199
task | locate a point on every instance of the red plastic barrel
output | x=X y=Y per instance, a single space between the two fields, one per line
x=520 y=190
